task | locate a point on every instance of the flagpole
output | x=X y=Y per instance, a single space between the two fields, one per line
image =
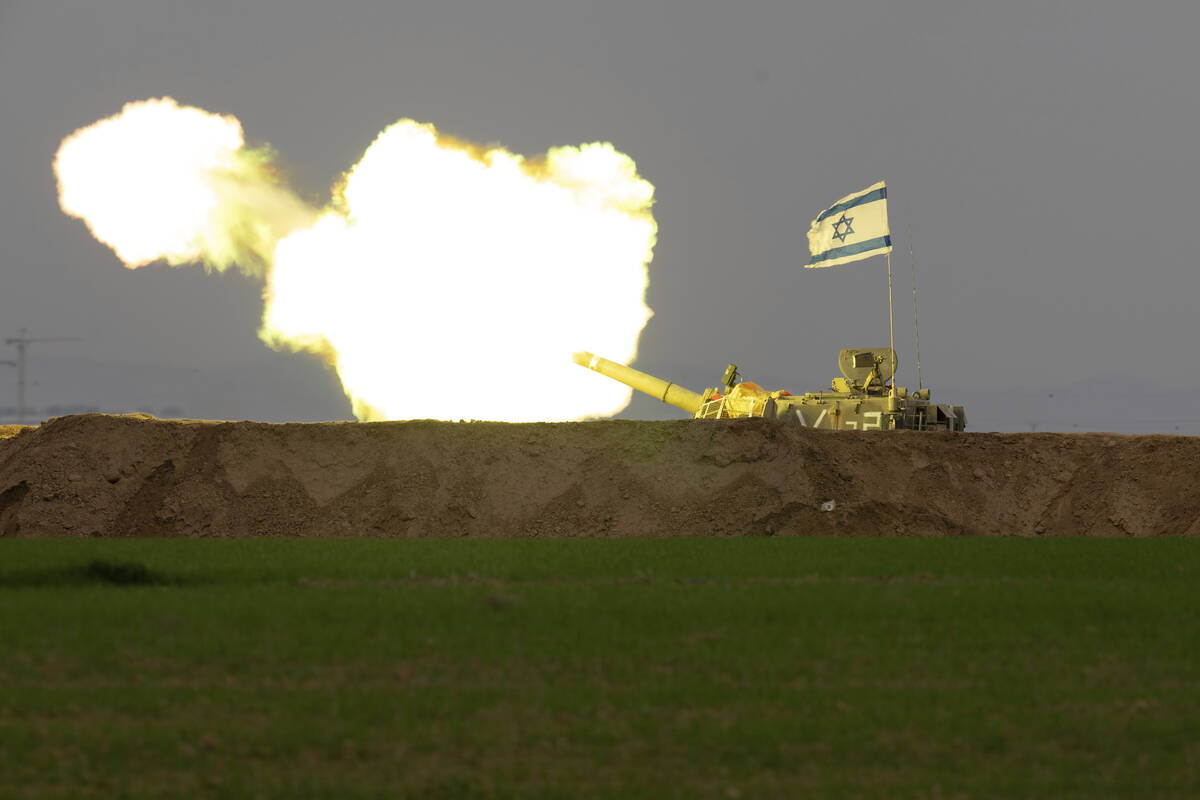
x=891 y=336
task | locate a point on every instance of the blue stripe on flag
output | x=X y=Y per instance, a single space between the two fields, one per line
x=852 y=249
x=869 y=197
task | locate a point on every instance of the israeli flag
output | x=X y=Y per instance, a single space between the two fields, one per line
x=853 y=228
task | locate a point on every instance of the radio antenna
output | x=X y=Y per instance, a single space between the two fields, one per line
x=913 y=262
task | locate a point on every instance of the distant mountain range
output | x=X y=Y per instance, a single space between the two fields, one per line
x=298 y=388
x=1106 y=403
x=281 y=388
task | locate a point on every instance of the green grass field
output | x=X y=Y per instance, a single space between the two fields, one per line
x=600 y=668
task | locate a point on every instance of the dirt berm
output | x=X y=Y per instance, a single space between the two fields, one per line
x=98 y=475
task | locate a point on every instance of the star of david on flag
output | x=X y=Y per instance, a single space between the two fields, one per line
x=853 y=228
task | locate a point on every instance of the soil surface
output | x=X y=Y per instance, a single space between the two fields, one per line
x=102 y=475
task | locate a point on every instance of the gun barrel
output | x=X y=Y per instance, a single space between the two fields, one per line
x=667 y=392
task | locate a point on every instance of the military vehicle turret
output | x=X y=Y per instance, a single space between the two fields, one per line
x=862 y=399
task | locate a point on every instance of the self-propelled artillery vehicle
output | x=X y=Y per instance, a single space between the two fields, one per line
x=862 y=399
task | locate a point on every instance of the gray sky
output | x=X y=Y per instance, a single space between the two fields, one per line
x=1043 y=150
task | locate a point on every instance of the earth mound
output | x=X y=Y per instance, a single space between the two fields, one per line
x=103 y=475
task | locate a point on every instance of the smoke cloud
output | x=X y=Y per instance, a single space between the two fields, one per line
x=443 y=280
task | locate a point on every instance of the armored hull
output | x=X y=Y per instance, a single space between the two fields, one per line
x=861 y=400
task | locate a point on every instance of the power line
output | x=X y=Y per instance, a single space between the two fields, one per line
x=22 y=341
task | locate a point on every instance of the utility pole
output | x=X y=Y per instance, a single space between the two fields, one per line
x=22 y=342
